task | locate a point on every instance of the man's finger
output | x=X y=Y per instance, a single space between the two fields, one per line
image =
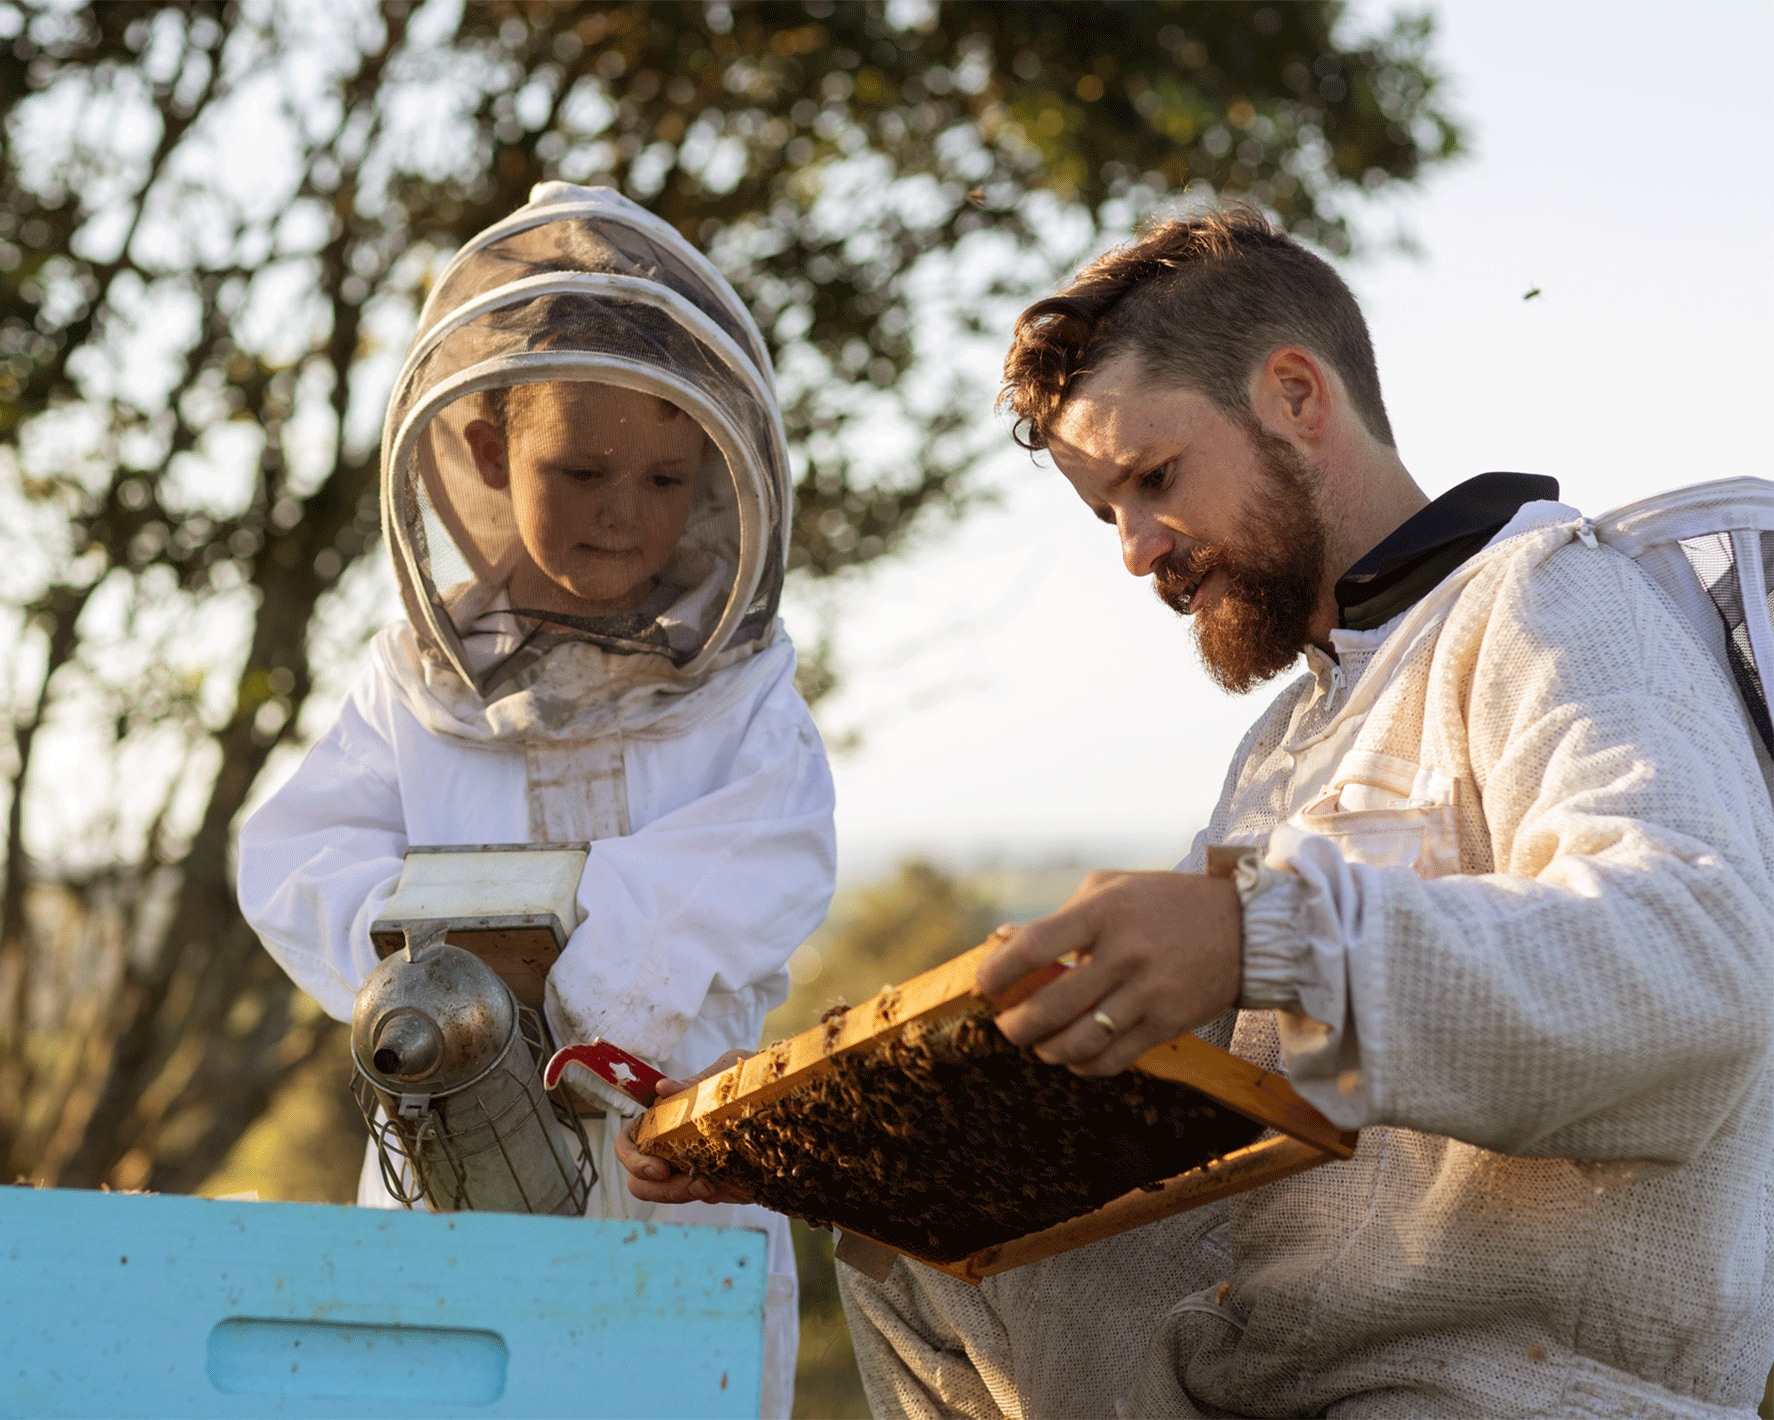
x=1062 y=1001
x=1071 y=929
x=1077 y=1045
x=1127 y=1048
x=653 y=1179
x=1141 y=1020
x=1151 y=1025
x=1111 y=1056
x=1086 y=1037
x=1127 y=1007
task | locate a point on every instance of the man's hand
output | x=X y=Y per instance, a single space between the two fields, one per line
x=652 y=1179
x=1159 y=954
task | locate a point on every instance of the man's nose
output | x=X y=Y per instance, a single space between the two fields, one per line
x=1145 y=543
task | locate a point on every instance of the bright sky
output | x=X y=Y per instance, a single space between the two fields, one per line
x=1022 y=698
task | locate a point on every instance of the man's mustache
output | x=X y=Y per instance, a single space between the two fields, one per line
x=1177 y=574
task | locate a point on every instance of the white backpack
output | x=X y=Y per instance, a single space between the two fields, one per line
x=1703 y=545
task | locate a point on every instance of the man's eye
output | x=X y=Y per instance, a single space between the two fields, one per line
x=1154 y=480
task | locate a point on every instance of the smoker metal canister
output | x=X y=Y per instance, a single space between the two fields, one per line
x=441 y=1046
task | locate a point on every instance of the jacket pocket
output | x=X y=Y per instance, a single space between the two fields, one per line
x=1388 y=814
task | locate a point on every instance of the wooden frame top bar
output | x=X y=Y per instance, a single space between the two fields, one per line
x=1304 y=1138
x=936 y=995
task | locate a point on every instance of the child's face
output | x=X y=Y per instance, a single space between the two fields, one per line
x=601 y=482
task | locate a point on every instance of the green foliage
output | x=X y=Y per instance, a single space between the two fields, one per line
x=823 y=152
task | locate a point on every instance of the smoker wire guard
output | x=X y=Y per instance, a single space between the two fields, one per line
x=1304 y=1137
x=399 y=1134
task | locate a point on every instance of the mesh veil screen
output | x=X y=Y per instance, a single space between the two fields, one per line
x=572 y=510
x=581 y=245
x=1715 y=563
x=592 y=453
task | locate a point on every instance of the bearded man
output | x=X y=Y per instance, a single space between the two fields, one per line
x=1504 y=907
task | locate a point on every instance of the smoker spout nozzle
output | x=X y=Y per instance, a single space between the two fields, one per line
x=409 y=1046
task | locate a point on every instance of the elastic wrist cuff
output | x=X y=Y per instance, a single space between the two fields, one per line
x=1275 y=951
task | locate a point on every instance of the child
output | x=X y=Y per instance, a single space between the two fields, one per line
x=586 y=495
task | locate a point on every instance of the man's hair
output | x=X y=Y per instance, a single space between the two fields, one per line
x=1200 y=302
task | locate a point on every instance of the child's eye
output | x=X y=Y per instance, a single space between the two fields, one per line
x=583 y=475
x=667 y=480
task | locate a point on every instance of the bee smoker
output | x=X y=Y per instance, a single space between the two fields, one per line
x=448 y=1075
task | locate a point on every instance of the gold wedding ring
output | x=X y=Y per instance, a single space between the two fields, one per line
x=1102 y=1019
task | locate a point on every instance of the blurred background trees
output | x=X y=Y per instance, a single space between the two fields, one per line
x=216 y=224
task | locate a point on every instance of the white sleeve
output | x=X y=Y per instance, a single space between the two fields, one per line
x=1608 y=992
x=321 y=858
x=710 y=897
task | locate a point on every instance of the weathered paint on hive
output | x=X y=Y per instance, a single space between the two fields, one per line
x=142 y=1306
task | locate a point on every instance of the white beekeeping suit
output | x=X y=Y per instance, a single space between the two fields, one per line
x=1509 y=911
x=585 y=492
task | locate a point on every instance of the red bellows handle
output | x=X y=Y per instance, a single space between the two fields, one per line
x=611 y=1064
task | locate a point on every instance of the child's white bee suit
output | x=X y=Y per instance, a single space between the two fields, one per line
x=585 y=491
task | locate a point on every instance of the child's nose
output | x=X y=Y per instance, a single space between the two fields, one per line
x=619 y=508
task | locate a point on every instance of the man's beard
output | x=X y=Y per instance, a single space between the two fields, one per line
x=1273 y=568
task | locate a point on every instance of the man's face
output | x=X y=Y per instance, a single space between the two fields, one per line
x=601 y=483
x=1222 y=517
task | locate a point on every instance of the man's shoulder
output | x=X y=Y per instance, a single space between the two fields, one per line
x=1581 y=587
x=1579 y=619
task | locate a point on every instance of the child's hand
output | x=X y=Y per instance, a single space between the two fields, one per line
x=652 y=1179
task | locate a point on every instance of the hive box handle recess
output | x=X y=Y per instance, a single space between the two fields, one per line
x=323 y=1359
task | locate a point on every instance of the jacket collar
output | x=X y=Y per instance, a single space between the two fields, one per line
x=1410 y=562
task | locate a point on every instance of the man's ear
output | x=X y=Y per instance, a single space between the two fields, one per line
x=487 y=443
x=1293 y=394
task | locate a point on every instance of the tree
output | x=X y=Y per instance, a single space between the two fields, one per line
x=216 y=223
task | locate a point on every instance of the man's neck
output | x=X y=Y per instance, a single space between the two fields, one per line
x=1402 y=567
x=1367 y=496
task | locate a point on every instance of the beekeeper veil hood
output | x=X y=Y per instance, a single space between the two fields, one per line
x=583 y=446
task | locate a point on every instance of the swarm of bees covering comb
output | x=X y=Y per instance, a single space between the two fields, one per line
x=948 y=1139
x=915 y=1126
